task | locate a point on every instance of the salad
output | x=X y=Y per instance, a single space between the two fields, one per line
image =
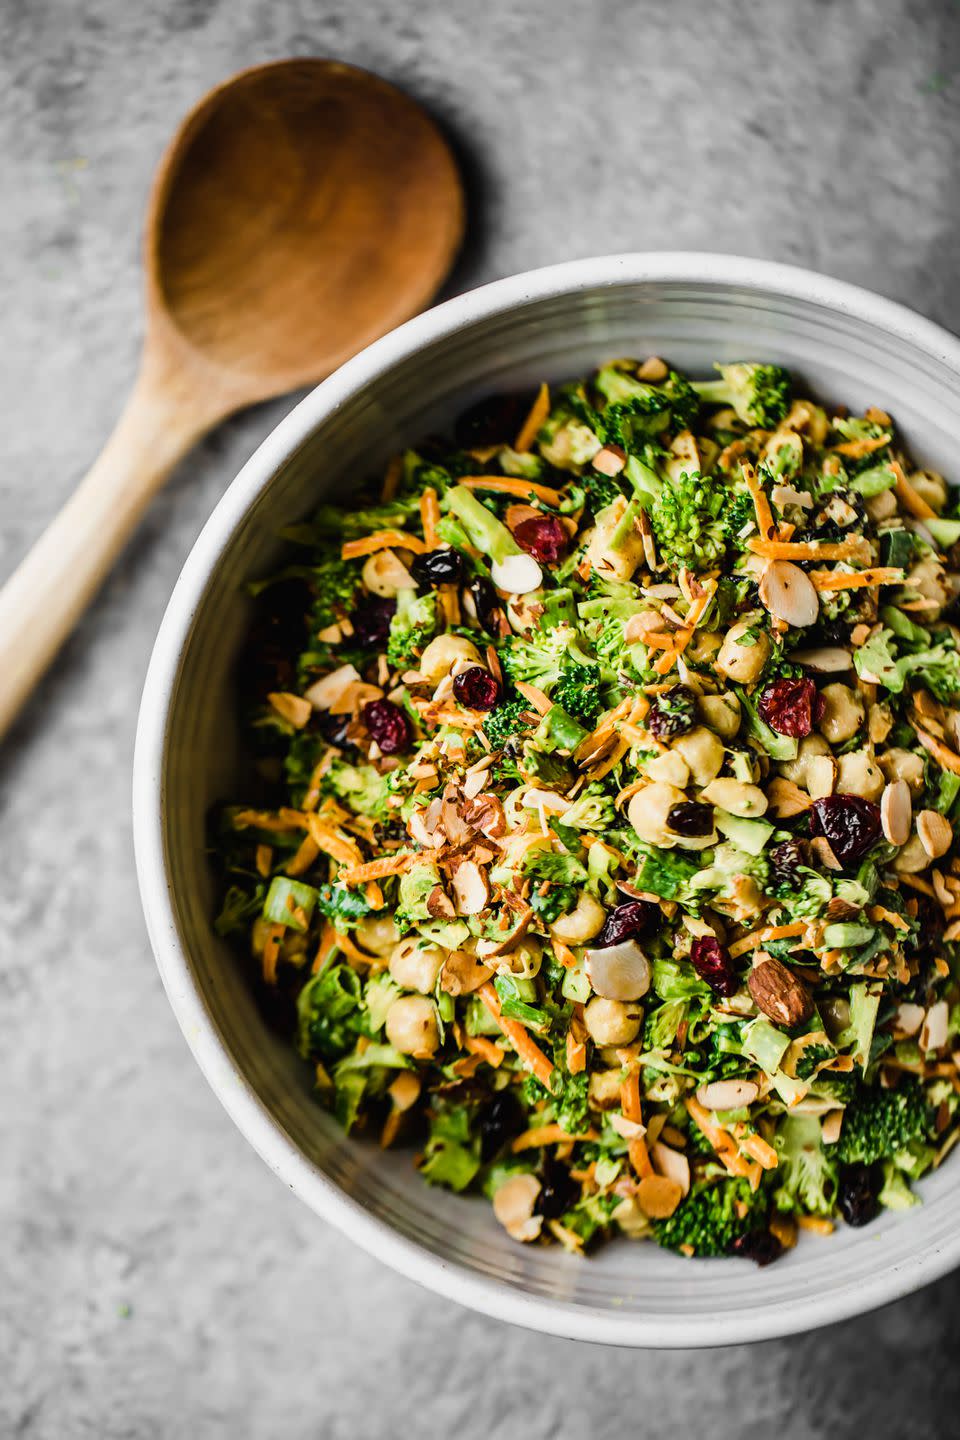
x=601 y=842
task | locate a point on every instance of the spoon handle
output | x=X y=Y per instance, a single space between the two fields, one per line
x=48 y=592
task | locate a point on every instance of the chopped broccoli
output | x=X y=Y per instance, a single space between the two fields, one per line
x=711 y=1218
x=452 y=1154
x=810 y=1057
x=335 y=586
x=738 y=514
x=578 y=691
x=688 y=521
x=363 y=788
x=880 y=1123
x=635 y=411
x=238 y=909
x=506 y=720
x=759 y=394
x=333 y=522
x=344 y=906
x=806 y=1174
x=330 y=1014
x=413 y=625
x=593 y=809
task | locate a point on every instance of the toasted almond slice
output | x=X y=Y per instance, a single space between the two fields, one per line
x=786 y=798
x=471 y=888
x=323 y=692
x=294 y=708
x=936 y=833
x=404 y=1090
x=658 y=1196
x=728 y=1094
x=824 y=660
x=821 y=776
x=671 y=1163
x=619 y=972
x=933 y=1032
x=610 y=460
x=463 y=973
x=909 y=1019
x=896 y=812
x=513 y=1204
x=653 y=369
x=516 y=574
x=831 y=1125
x=627 y=1129
x=789 y=594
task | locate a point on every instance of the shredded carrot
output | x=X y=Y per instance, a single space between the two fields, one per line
x=807 y=549
x=264 y=859
x=639 y=1157
x=765 y=933
x=484 y=1047
x=378 y=869
x=271 y=953
x=339 y=847
x=521 y=488
x=282 y=819
x=576 y=1055
x=528 y=1051
x=381 y=540
x=597 y=772
x=757 y=1148
x=304 y=858
x=563 y=954
x=910 y=498
x=374 y=895
x=429 y=516
x=353 y=951
x=856 y=449
x=816 y=1223
x=630 y=1097
x=761 y=504
x=391 y=479
x=541 y=1135
x=879 y=912
x=535 y=420
x=328 y=943
x=947 y=759
x=877 y=575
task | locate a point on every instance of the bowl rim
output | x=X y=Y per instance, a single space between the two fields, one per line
x=249 y=1113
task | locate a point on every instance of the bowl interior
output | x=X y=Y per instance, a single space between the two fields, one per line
x=629 y=1293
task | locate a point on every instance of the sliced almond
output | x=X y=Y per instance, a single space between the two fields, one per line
x=295 y=708
x=405 y=1090
x=671 y=1163
x=821 y=776
x=439 y=904
x=641 y=624
x=933 y=1032
x=471 y=888
x=896 y=812
x=653 y=369
x=516 y=574
x=786 y=798
x=385 y=574
x=456 y=828
x=323 y=692
x=789 y=594
x=610 y=460
x=658 y=1196
x=463 y=973
x=825 y=660
x=513 y=1205
x=618 y=972
x=936 y=833
x=485 y=813
x=728 y=1094
x=909 y=1019
x=820 y=846
x=830 y=1126
x=627 y=1129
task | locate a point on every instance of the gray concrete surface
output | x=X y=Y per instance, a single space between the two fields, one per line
x=154 y=1279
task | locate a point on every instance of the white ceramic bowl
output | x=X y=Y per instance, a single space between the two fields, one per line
x=844 y=344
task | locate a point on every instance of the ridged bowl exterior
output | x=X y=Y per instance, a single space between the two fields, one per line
x=845 y=345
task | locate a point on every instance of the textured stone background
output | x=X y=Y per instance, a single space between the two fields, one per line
x=154 y=1279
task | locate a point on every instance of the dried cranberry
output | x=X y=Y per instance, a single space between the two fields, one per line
x=791 y=707
x=713 y=964
x=388 y=725
x=857 y=1194
x=371 y=622
x=672 y=713
x=625 y=922
x=476 y=688
x=437 y=567
x=558 y=1191
x=850 y=825
x=693 y=818
x=759 y=1245
x=499 y=1120
x=485 y=602
x=543 y=537
x=785 y=861
x=333 y=727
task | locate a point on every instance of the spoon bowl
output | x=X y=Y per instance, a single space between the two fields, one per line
x=302 y=210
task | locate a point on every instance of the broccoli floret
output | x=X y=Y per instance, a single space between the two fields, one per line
x=737 y=515
x=711 y=1218
x=540 y=661
x=759 y=394
x=806 y=1172
x=810 y=1058
x=635 y=411
x=335 y=585
x=687 y=520
x=593 y=809
x=578 y=691
x=881 y=1123
x=601 y=491
x=505 y=721
x=413 y=625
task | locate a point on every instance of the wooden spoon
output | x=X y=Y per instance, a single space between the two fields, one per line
x=303 y=209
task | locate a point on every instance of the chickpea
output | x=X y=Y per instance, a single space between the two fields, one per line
x=882 y=506
x=386 y=573
x=412 y=1026
x=930 y=487
x=416 y=966
x=926 y=579
x=736 y=797
x=898 y=764
x=524 y=960
x=860 y=775
x=704 y=646
x=581 y=923
x=377 y=933
x=603 y=1088
x=610 y=1022
x=669 y=767
x=440 y=656
x=810 y=747
x=648 y=811
x=618 y=564
x=721 y=713
x=703 y=753
x=741 y=662
x=843 y=713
